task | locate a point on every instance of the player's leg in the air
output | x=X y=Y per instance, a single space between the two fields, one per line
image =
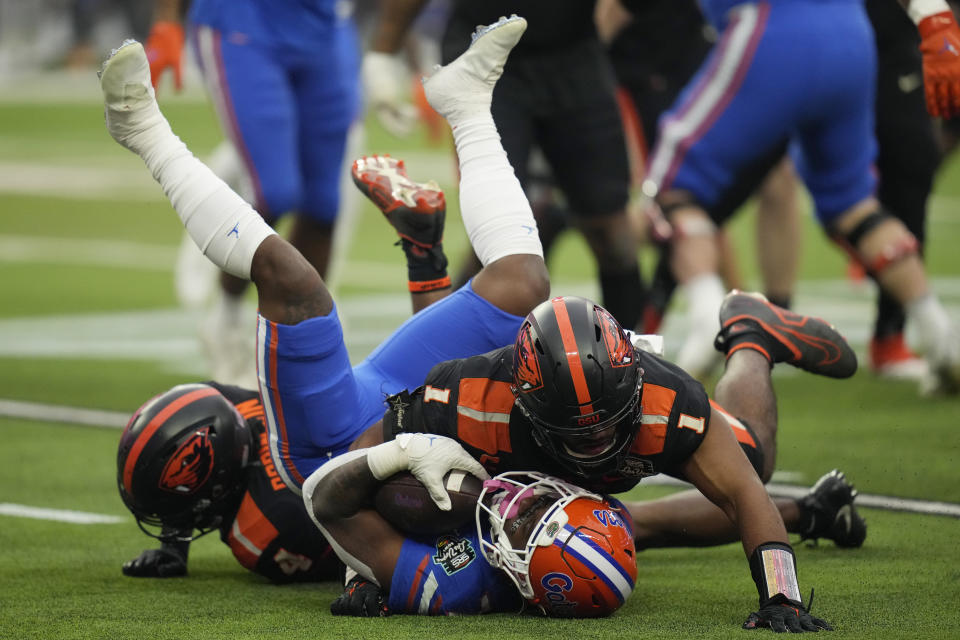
x=487 y=312
x=754 y=336
x=317 y=405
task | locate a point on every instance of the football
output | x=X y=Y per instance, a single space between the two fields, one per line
x=405 y=503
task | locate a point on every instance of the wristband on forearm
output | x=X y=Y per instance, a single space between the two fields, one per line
x=774 y=570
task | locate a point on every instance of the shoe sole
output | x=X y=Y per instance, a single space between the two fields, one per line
x=130 y=52
x=814 y=345
x=379 y=187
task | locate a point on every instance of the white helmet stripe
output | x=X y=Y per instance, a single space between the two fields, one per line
x=598 y=560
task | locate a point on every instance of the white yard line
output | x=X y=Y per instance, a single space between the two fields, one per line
x=57 y=515
x=68 y=415
x=126 y=179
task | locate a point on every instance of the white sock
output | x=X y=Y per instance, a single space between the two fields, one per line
x=495 y=210
x=704 y=295
x=931 y=321
x=226 y=228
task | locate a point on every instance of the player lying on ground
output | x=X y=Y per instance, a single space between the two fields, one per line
x=314 y=402
x=533 y=539
x=574 y=399
x=233 y=236
x=239 y=497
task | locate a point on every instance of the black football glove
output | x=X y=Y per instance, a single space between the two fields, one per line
x=781 y=614
x=156 y=563
x=360 y=598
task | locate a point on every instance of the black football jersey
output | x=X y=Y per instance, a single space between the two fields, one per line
x=271 y=533
x=471 y=401
x=550 y=24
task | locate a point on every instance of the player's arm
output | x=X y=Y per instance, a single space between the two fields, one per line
x=721 y=471
x=339 y=494
x=940 y=46
x=164 y=45
x=611 y=17
x=384 y=74
x=338 y=497
x=393 y=23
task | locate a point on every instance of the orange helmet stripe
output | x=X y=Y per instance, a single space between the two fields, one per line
x=152 y=427
x=573 y=356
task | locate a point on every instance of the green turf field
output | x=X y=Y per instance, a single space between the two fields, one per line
x=88 y=319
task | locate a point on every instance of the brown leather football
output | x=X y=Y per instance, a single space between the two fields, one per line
x=405 y=503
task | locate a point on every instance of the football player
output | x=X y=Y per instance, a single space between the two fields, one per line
x=573 y=398
x=822 y=64
x=314 y=403
x=196 y=459
x=536 y=540
x=283 y=78
x=556 y=97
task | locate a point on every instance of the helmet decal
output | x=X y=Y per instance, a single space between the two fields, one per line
x=181 y=461
x=618 y=347
x=555 y=586
x=190 y=466
x=157 y=421
x=526 y=366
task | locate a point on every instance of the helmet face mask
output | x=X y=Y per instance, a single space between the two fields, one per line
x=578 y=382
x=568 y=551
x=180 y=462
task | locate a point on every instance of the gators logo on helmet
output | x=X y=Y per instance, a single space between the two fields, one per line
x=618 y=347
x=526 y=368
x=190 y=465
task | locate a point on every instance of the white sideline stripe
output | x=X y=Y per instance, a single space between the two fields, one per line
x=106 y=253
x=69 y=415
x=59 y=515
x=889 y=503
x=125 y=180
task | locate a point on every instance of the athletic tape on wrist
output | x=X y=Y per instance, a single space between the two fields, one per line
x=386 y=459
x=774 y=569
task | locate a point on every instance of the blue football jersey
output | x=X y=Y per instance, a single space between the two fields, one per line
x=447 y=575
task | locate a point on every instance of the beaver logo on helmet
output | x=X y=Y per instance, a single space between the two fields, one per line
x=526 y=366
x=618 y=347
x=190 y=466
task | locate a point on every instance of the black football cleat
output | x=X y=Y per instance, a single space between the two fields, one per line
x=416 y=210
x=831 y=512
x=749 y=320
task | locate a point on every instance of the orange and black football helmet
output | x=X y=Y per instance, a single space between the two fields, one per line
x=578 y=380
x=181 y=460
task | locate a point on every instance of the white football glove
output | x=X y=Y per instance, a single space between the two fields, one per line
x=428 y=457
x=384 y=76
